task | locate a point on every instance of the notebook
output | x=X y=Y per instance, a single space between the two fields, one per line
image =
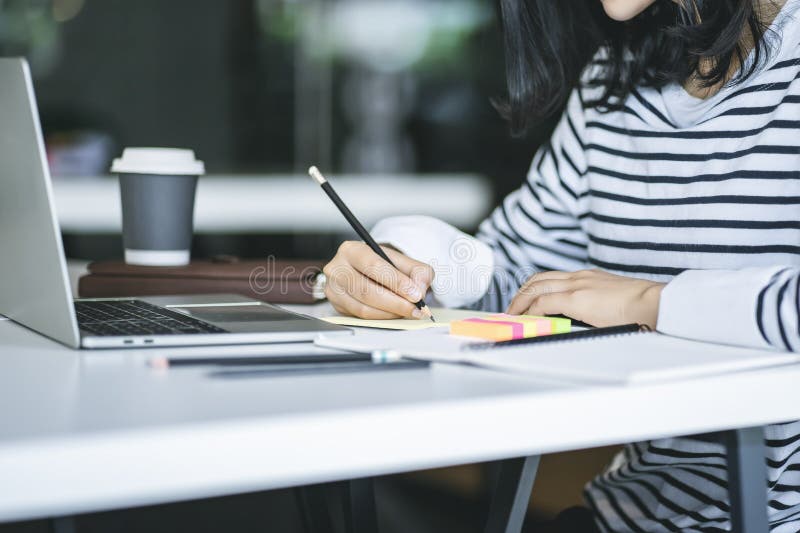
x=633 y=358
x=443 y=318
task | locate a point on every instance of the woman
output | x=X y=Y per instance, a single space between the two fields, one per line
x=668 y=195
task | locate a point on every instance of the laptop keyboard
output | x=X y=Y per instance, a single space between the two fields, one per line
x=135 y=317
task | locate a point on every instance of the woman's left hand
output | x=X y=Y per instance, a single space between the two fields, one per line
x=591 y=296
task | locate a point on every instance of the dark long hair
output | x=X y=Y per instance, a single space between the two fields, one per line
x=548 y=44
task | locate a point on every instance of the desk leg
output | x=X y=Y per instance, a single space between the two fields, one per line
x=747 y=480
x=512 y=493
x=63 y=524
x=359 y=506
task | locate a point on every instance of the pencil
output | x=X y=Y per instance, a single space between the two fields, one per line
x=378 y=357
x=361 y=230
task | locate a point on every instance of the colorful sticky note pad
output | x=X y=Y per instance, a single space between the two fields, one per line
x=503 y=327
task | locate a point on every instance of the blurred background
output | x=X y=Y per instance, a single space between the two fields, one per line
x=392 y=97
x=260 y=89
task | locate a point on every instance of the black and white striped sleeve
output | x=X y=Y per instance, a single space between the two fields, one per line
x=757 y=307
x=538 y=226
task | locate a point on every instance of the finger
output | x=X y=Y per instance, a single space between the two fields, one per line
x=569 y=304
x=351 y=282
x=347 y=305
x=377 y=269
x=559 y=303
x=374 y=295
x=530 y=292
x=418 y=271
x=548 y=274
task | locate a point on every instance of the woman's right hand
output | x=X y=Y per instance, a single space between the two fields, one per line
x=360 y=283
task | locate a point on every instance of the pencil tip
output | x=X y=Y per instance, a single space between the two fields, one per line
x=427 y=312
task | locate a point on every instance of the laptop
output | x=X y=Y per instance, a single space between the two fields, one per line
x=34 y=286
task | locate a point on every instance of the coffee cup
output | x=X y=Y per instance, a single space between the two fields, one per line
x=157 y=190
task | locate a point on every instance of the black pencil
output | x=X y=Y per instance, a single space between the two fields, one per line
x=361 y=230
x=309 y=360
x=302 y=359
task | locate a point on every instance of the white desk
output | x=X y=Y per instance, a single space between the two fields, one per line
x=85 y=433
x=281 y=203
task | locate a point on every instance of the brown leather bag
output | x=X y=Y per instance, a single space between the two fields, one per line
x=268 y=280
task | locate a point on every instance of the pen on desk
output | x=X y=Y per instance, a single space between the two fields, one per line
x=377 y=357
x=361 y=230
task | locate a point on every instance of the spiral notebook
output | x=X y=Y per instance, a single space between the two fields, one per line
x=629 y=358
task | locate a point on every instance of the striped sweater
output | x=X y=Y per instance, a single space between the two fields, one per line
x=702 y=194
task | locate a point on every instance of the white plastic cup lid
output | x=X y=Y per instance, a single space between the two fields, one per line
x=161 y=161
